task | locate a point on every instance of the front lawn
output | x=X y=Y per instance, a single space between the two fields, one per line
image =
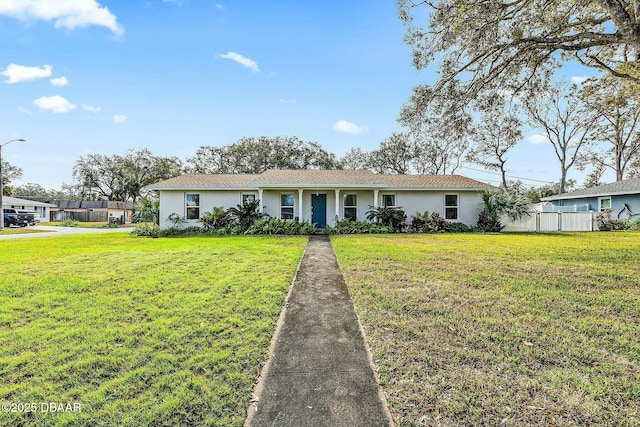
x=508 y=329
x=137 y=331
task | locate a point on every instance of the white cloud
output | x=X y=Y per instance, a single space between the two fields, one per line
x=537 y=139
x=349 y=127
x=68 y=14
x=59 y=81
x=90 y=109
x=55 y=104
x=242 y=60
x=119 y=118
x=578 y=80
x=19 y=73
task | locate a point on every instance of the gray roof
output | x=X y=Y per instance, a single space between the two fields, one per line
x=90 y=204
x=318 y=179
x=14 y=201
x=627 y=186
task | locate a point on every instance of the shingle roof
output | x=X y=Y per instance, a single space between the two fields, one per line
x=433 y=181
x=318 y=178
x=202 y=181
x=627 y=186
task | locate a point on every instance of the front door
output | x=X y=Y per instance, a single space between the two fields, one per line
x=319 y=210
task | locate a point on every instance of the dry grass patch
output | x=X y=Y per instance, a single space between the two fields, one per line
x=502 y=329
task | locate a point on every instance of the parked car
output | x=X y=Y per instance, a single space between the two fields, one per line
x=32 y=216
x=15 y=217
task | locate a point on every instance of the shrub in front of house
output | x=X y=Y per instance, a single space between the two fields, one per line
x=349 y=226
x=280 y=226
x=390 y=216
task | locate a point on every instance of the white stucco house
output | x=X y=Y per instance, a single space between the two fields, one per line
x=321 y=196
x=43 y=210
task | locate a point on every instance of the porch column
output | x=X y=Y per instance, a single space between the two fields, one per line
x=337 y=203
x=261 y=207
x=300 y=205
x=375 y=198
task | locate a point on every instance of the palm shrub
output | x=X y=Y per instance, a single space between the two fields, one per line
x=246 y=214
x=499 y=203
x=390 y=216
x=217 y=219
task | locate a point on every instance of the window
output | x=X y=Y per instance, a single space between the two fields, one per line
x=451 y=206
x=388 y=200
x=248 y=198
x=351 y=206
x=193 y=206
x=604 y=204
x=286 y=206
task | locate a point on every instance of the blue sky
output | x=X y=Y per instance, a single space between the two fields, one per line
x=87 y=76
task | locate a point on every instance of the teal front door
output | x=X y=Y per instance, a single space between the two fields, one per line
x=319 y=210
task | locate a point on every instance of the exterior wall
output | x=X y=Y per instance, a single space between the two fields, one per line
x=617 y=204
x=175 y=202
x=469 y=203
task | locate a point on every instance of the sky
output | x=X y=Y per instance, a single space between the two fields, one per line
x=104 y=76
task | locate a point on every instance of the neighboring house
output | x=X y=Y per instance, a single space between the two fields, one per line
x=321 y=196
x=91 y=210
x=622 y=198
x=42 y=209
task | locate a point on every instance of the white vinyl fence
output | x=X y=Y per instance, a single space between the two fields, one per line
x=553 y=221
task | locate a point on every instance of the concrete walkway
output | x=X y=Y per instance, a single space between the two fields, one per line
x=320 y=372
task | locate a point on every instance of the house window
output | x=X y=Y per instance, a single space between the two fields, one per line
x=193 y=206
x=388 y=200
x=286 y=206
x=351 y=206
x=604 y=204
x=248 y=198
x=451 y=206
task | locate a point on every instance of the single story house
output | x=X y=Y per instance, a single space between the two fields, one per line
x=321 y=196
x=42 y=209
x=91 y=210
x=621 y=198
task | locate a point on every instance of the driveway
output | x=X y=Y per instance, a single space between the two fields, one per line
x=48 y=231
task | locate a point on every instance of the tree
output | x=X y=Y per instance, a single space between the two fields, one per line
x=496 y=133
x=355 y=159
x=483 y=46
x=256 y=155
x=122 y=178
x=10 y=173
x=565 y=123
x=616 y=103
x=394 y=155
x=440 y=131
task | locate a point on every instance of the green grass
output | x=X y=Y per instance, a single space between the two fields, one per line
x=509 y=329
x=140 y=332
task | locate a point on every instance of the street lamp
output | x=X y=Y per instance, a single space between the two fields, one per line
x=1 y=207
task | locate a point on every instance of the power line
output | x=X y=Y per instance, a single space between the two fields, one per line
x=508 y=176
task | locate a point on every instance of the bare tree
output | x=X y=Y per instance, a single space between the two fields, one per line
x=565 y=123
x=495 y=134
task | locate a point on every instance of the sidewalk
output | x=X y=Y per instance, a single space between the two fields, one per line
x=319 y=372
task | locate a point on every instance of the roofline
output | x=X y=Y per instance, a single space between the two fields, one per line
x=384 y=187
x=585 y=196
